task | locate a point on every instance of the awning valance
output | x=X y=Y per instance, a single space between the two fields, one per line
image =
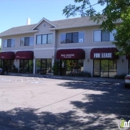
x=27 y=55
x=104 y=53
x=7 y=55
x=70 y=54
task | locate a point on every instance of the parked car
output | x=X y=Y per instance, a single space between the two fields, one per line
x=127 y=80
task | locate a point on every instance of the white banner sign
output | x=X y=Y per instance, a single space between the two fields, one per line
x=67 y=55
x=102 y=55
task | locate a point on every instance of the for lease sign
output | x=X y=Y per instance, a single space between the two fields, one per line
x=102 y=55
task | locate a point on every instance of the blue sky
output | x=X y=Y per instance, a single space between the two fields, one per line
x=15 y=12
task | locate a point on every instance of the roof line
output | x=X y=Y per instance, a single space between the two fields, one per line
x=19 y=33
x=43 y=19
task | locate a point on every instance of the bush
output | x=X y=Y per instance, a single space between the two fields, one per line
x=81 y=74
x=55 y=68
x=120 y=76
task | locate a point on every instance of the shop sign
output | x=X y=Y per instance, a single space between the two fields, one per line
x=102 y=55
x=67 y=55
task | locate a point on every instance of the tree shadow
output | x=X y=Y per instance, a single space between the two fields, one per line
x=97 y=111
x=91 y=85
x=108 y=107
x=27 y=119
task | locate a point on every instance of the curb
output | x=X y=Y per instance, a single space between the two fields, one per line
x=70 y=78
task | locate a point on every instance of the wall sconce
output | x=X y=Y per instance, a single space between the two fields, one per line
x=88 y=60
x=122 y=60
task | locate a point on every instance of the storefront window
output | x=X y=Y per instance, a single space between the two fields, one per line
x=0 y=63
x=68 y=67
x=43 y=66
x=112 y=68
x=26 y=66
x=105 y=68
x=96 y=67
x=49 y=65
x=8 y=64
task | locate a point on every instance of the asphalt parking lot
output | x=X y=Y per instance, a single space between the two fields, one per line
x=38 y=103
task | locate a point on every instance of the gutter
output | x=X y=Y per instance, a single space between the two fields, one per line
x=18 y=33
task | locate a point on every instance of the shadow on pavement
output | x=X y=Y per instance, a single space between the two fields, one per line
x=26 y=119
x=100 y=112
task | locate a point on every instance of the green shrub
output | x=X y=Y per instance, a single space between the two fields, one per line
x=55 y=68
x=80 y=74
x=120 y=76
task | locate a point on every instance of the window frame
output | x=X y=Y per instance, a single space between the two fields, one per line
x=63 y=37
x=26 y=41
x=9 y=43
x=111 y=36
x=46 y=39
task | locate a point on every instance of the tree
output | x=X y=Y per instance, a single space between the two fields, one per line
x=113 y=11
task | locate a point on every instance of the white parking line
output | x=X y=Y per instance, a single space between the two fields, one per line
x=38 y=78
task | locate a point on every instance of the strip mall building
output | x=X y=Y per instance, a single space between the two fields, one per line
x=78 y=44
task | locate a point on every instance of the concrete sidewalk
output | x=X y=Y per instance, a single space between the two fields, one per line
x=100 y=79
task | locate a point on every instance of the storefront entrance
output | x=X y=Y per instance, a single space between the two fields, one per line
x=104 y=62
x=104 y=68
x=43 y=66
x=1 y=63
x=26 y=66
x=8 y=65
x=70 y=66
x=25 y=61
x=71 y=61
x=7 y=61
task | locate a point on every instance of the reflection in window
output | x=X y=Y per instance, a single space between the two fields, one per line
x=44 y=39
x=50 y=38
x=43 y=66
x=38 y=39
x=26 y=41
x=67 y=67
x=105 y=68
x=73 y=37
x=105 y=35
x=9 y=43
x=100 y=35
x=26 y=66
x=63 y=38
x=81 y=37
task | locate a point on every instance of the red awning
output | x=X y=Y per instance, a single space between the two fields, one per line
x=27 y=55
x=7 y=55
x=104 y=53
x=70 y=54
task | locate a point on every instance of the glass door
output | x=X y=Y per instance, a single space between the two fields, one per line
x=26 y=66
x=104 y=68
x=96 y=68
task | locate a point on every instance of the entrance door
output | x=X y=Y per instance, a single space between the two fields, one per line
x=8 y=64
x=69 y=67
x=104 y=68
x=62 y=67
x=96 y=68
x=26 y=66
